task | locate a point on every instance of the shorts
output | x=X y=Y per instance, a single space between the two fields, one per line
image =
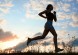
x=48 y=25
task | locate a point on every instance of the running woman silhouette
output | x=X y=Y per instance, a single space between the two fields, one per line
x=48 y=26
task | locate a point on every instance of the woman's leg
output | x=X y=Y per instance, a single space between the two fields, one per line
x=55 y=40
x=38 y=37
x=55 y=37
x=41 y=37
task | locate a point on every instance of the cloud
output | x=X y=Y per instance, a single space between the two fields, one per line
x=20 y=46
x=74 y=24
x=40 y=4
x=73 y=33
x=3 y=21
x=73 y=42
x=6 y=3
x=62 y=16
x=33 y=7
x=38 y=34
x=36 y=6
x=74 y=17
x=4 y=10
x=77 y=0
x=6 y=36
x=68 y=0
x=5 y=6
x=66 y=7
x=62 y=33
x=66 y=35
x=64 y=24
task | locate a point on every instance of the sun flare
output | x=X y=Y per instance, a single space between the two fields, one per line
x=9 y=44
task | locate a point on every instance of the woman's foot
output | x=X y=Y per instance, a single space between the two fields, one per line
x=28 y=41
x=58 y=50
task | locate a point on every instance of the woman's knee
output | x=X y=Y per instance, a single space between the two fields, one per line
x=42 y=37
x=55 y=35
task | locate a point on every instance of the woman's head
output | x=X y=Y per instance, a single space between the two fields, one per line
x=49 y=7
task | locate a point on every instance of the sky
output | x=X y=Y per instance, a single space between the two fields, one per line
x=19 y=19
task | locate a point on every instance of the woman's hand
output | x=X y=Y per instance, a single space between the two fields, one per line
x=54 y=12
x=55 y=19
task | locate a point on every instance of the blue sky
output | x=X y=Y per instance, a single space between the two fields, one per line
x=20 y=17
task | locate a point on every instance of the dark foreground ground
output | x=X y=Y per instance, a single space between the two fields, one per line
x=29 y=53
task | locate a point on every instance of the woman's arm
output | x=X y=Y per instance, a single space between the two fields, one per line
x=55 y=18
x=41 y=14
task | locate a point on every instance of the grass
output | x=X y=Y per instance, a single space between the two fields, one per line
x=36 y=53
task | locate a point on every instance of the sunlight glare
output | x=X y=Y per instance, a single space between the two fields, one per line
x=9 y=44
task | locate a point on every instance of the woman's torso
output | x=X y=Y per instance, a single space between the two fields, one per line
x=50 y=16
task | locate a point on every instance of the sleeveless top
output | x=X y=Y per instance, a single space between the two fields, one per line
x=50 y=16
